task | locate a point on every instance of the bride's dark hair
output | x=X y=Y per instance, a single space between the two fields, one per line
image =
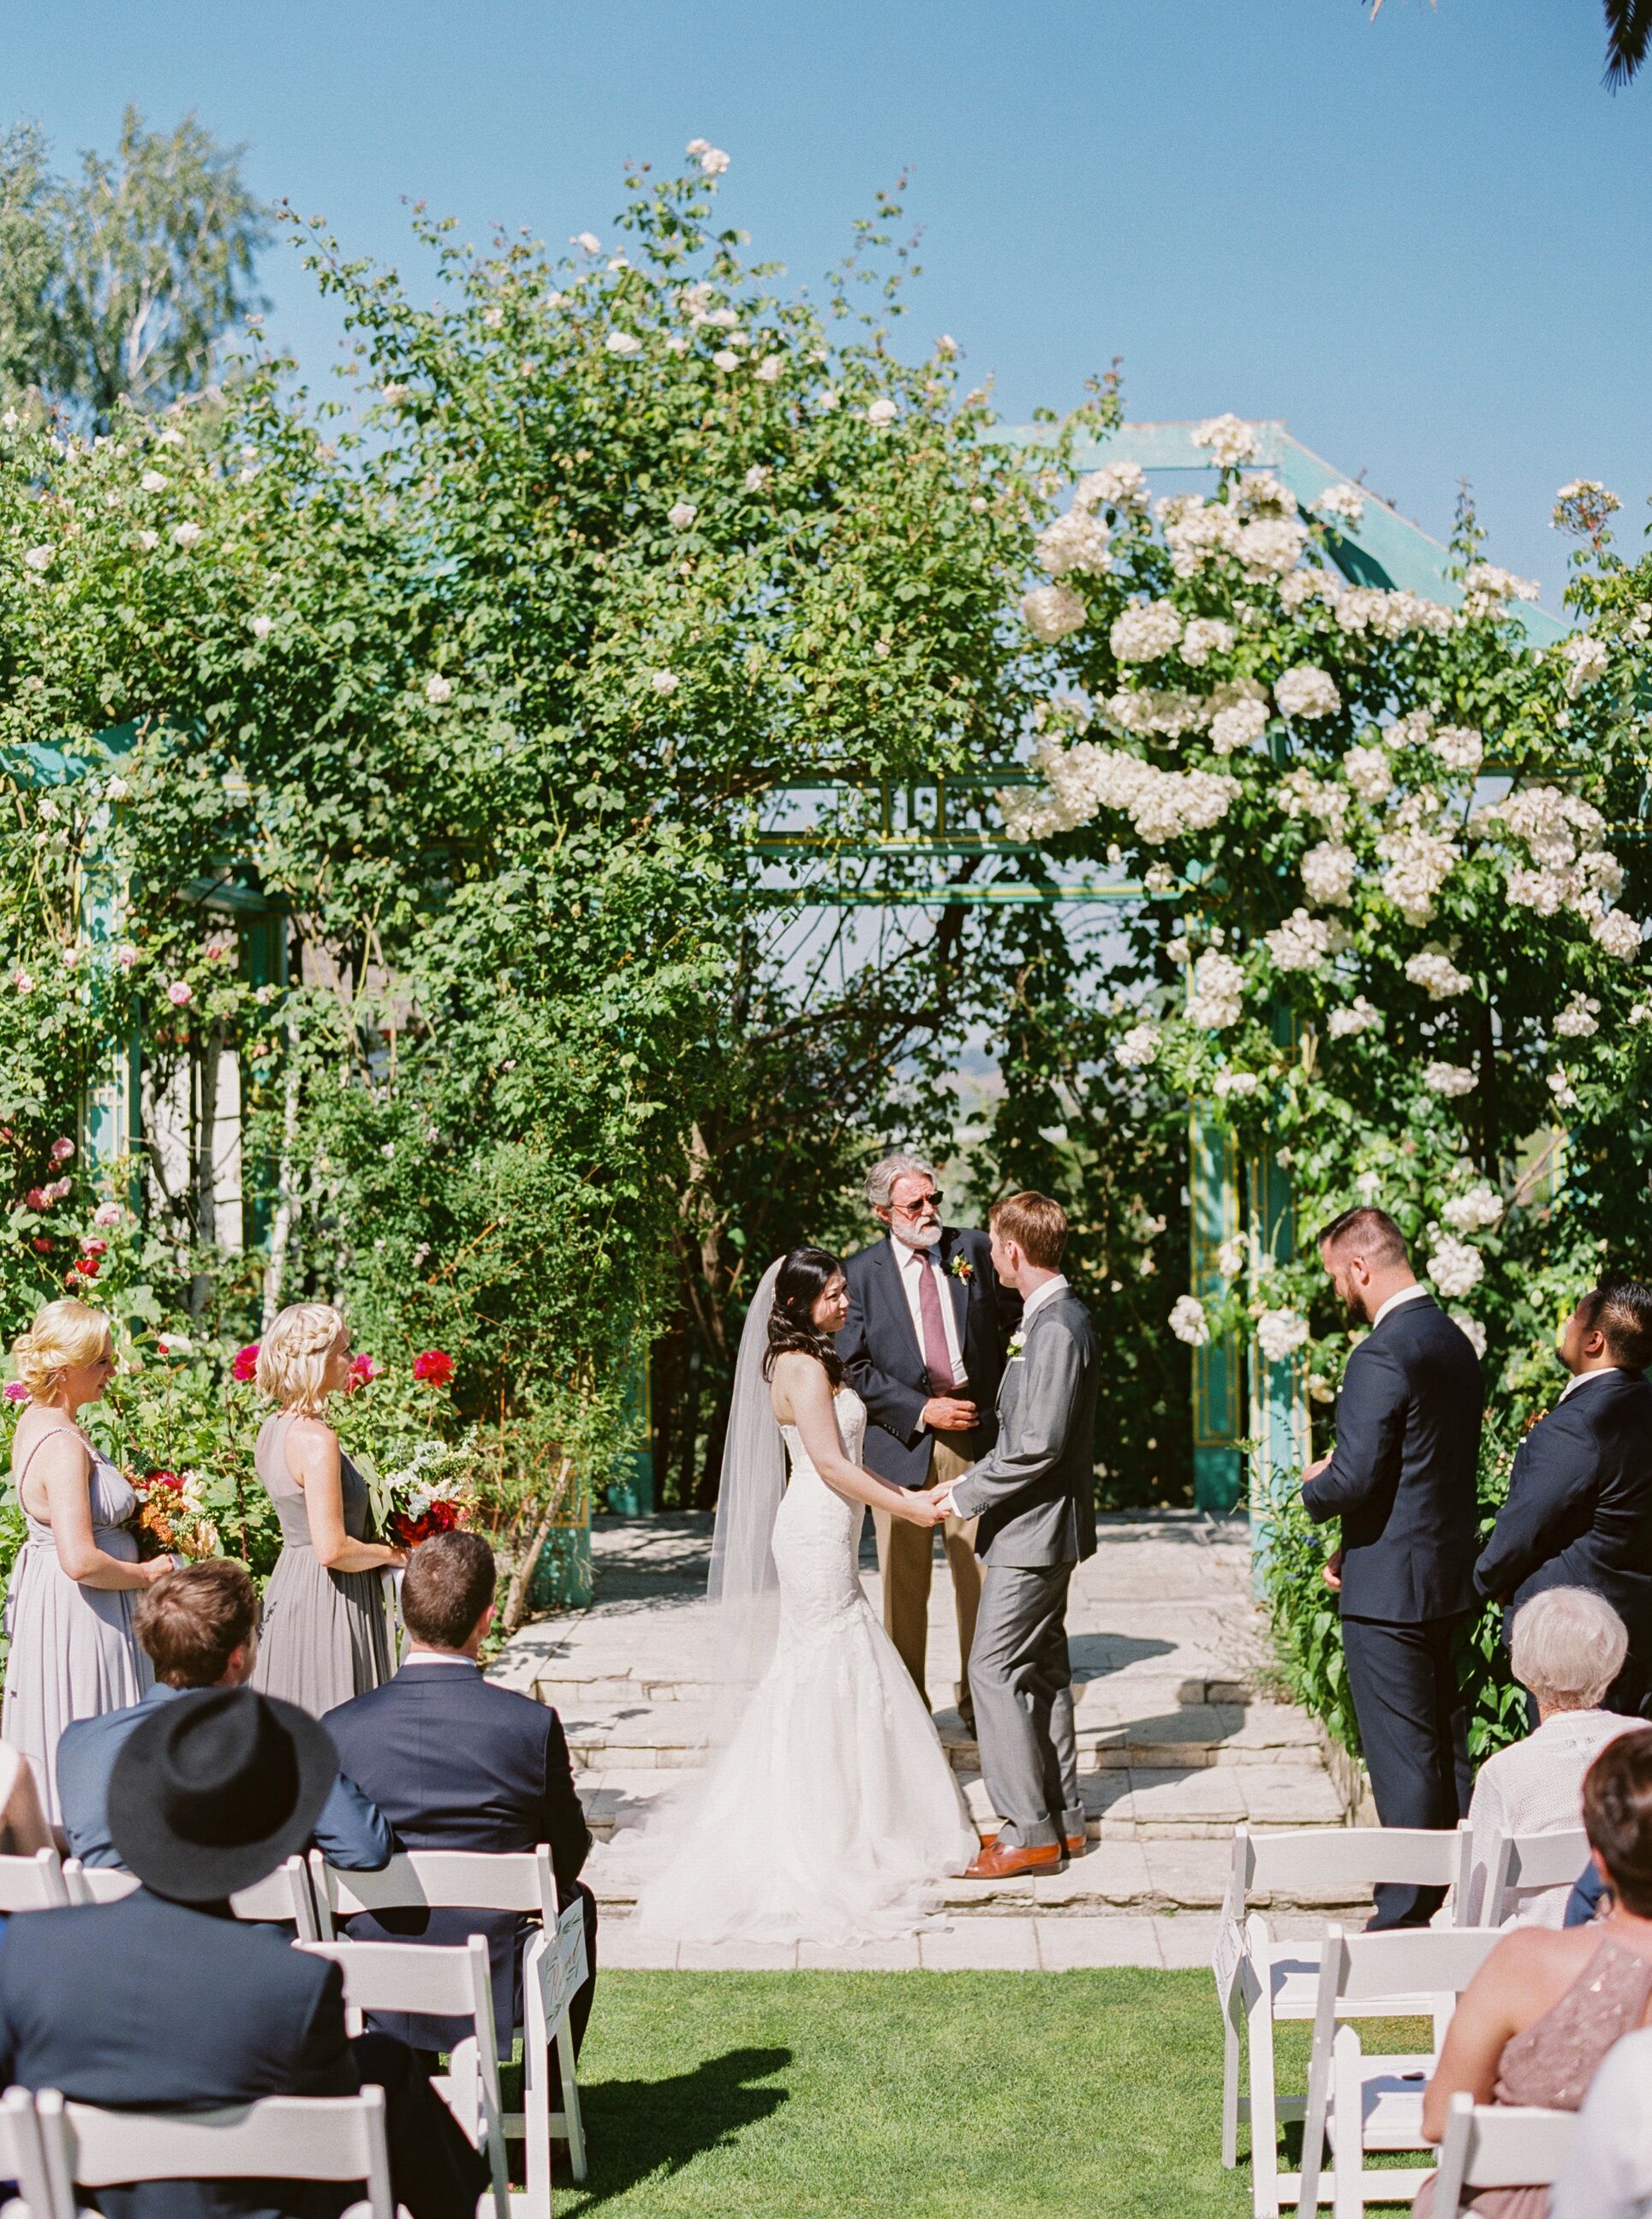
x=799 y=1285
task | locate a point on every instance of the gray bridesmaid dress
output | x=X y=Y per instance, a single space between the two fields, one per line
x=323 y=1636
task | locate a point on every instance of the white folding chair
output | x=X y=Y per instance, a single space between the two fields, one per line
x=456 y=1983
x=1261 y=1982
x=1522 y=1862
x=285 y=1894
x=1499 y=2146
x=22 y=2160
x=33 y=1883
x=470 y=1880
x=1376 y=2103
x=555 y=1968
x=281 y=2138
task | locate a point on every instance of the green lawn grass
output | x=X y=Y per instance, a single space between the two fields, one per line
x=907 y=2096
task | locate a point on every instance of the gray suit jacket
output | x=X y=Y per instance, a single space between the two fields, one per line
x=1035 y=1493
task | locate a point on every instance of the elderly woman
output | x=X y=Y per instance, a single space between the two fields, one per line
x=1567 y=1646
x=1537 y=2018
x=326 y=1633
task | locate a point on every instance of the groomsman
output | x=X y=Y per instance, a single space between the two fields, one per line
x=924 y=1348
x=1401 y=1479
x=1578 y=1512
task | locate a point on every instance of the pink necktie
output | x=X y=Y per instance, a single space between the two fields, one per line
x=935 y=1356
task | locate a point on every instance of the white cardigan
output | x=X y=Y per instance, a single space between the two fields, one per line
x=1536 y=1787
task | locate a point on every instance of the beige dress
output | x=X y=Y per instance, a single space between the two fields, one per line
x=323 y=1636
x=1556 y=2057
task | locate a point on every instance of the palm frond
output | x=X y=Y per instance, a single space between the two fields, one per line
x=1629 y=34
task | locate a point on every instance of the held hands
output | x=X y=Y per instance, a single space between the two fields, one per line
x=930 y=1505
x=949 y=1414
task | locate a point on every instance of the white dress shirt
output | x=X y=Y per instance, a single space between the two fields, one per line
x=1582 y=1378
x=914 y=1262
x=1412 y=1294
x=1608 y=2170
x=1536 y=1787
x=1040 y=1295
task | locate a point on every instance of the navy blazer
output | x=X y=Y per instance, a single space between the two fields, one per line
x=349 y=1833
x=1402 y=1479
x=1578 y=1512
x=885 y=1364
x=148 y=2002
x=455 y=1763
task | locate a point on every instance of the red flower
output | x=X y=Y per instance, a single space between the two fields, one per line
x=166 y=1479
x=434 y=1366
x=246 y=1365
x=88 y=1266
x=364 y=1371
x=38 y=1198
x=440 y=1518
x=41 y=1245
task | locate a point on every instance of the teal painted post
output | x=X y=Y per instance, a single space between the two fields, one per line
x=631 y=1492
x=263 y=955
x=1279 y=1413
x=1218 y=1367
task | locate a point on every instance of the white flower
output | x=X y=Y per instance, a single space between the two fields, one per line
x=1587 y=661
x=38 y=558
x=1197 y=532
x=1345 y=501
x=1270 y=547
x=185 y=535
x=1076 y=541
x=175 y=1344
x=1299 y=588
x=1230 y=1256
x=1239 y=726
x=665 y=682
x=1328 y=872
x=946 y=345
x=1306 y=692
x=676 y=344
x=1449 y=1078
x=1419 y=863
x=588 y=241
x=153 y=482
x=1471 y=1329
x=726 y=358
x=1579 y=1018
x=1473 y=1212
x=1301 y=942
x=1280 y=1334
x=115 y=789
x=1455 y=1267
x=396 y=394
x=1560 y=1085
x=1368 y=771
x=1218 y=987
x=1458 y=747
x=1205 y=637
x=1138 y=1046
x=1230 y=1083
x=756 y=478
x=260 y=627
x=770 y=368
x=1051 y=611
x=1188 y=1321
x=1159 y=878
x=681 y=514
x=21 y=982
x=1434 y=970
x=437 y=689
x=1116 y=485
x=146 y=541
x=698 y=146
x=1140 y=634
x=714 y=161
x=1230 y=442
x=1084 y=778
x=169 y=437
x=1485 y=585
x=1618 y=933
x=882 y=410
x=622 y=343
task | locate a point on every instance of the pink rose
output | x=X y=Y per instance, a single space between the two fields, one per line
x=180 y=993
x=107 y=1213
x=15 y=1391
x=38 y=1198
x=95 y=1247
x=59 y=1188
x=62 y=1148
x=126 y=955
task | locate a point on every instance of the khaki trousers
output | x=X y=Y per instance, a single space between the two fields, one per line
x=906 y=1564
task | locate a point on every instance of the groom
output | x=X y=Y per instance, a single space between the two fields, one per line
x=1035 y=1496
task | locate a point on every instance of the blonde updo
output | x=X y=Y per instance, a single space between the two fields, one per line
x=293 y=1356
x=64 y=1336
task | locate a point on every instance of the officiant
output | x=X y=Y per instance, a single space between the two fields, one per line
x=923 y=1345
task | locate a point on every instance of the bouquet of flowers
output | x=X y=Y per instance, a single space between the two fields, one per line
x=172 y=1517
x=429 y=1495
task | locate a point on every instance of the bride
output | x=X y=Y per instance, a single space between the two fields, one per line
x=832 y=1812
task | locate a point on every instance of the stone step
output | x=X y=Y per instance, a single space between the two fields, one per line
x=601 y=1683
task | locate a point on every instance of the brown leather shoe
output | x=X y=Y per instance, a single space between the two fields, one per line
x=1076 y=1843
x=997 y=1862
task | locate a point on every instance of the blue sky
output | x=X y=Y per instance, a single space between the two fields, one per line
x=1421 y=241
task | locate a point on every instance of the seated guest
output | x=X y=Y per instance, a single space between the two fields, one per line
x=165 y=2001
x=1567 y=1647
x=455 y=1763
x=1543 y=2009
x=1578 y=1512
x=1608 y=2170
x=198 y=1626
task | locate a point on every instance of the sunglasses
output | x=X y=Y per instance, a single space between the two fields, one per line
x=924 y=1202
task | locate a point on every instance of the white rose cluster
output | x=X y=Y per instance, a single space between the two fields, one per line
x=1217 y=996
x=1143 y=633
x=1390 y=613
x=1581 y=1017
x=1473 y=1212
x=1197 y=531
x=1418 y=864
x=1078 y=541
x=1270 y=547
x=1587 y=663
x=1084 y=778
x=1306 y=693
x=1449 y=1078
x=1230 y=441
x=1328 y=874
x=1458 y=747
x=1115 y=485
x=1370 y=773
x=1232 y=1083
x=1303 y=942
x=1435 y=971
x=1486 y=588
x=1358 y=1015
x=1051 y=611
x=1618 y=933
x=1137 y=1047
x=1472 y=1331
x=1188 y=1321
x=1562 y=834
x=1230 y=1256
x=1165 y=709
x=1205 y=637
x=1455 y=1267
x=1345 y=502
x=1241 y=724
x=1280 y=1334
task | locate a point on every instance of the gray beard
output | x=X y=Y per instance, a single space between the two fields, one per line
x=918 y=1239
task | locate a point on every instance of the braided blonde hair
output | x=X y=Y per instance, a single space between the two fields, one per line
x=64 y=1334
x=293 y=1356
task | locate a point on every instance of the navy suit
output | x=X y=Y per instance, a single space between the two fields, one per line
x=1579 y=1514
x=455 y=1763
x=884 y=1360
x=349 y=1833
x=146 y=2003
x=1402 y=1481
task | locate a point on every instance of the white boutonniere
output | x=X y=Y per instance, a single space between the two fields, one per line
x=1017 y=1342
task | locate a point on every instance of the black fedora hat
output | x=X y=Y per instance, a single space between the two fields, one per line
x=215 y=1790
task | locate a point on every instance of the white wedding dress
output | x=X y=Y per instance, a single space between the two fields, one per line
x=833 y=1812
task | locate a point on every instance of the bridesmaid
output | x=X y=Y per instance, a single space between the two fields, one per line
x=325 y=1635
x=73 y=1651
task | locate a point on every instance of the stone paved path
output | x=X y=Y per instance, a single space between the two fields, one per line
x=1179 y=1740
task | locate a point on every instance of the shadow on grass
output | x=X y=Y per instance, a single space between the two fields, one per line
x=637 y=2128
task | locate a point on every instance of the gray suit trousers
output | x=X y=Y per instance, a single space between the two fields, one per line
x=1022 y=1680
